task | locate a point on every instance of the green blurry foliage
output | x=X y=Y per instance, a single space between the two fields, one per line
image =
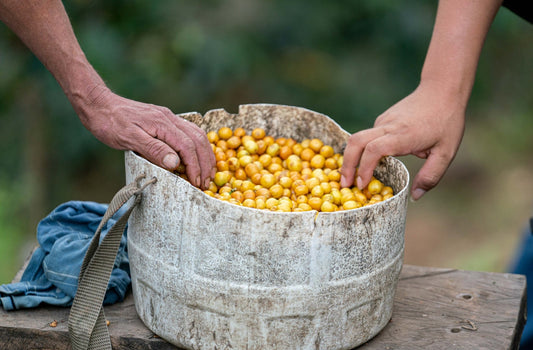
x=350 y=60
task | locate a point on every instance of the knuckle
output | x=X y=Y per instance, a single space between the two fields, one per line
x=429 y=181
x=154 y=147
x=374 y=148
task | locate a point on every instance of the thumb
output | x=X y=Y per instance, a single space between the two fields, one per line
x=160 y=154
x=429 y=174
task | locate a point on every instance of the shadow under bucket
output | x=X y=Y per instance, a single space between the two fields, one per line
x=208 y=274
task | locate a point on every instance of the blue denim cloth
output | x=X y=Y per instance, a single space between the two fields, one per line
x=523 y=265
x=51 y=276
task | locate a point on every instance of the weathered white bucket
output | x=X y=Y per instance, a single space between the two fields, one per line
x=208 y=274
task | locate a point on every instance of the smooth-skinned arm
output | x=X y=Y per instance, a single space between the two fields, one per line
x=428 y=123
x=153 y=131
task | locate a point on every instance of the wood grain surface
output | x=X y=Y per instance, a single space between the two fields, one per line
x=433 y=309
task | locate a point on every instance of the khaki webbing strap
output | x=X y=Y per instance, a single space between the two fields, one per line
x=86 y=324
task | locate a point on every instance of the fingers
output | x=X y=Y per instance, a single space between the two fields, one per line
x=430 y=174
x=168 y=140
x=204 y=157
x=156 y=151
x=373 y=152
x=186 y=140
x=355 y=148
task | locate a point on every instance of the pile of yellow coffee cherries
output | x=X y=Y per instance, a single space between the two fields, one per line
x=259 y=171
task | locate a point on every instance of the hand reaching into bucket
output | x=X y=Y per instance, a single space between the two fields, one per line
x=153 y=131
x=429 y=123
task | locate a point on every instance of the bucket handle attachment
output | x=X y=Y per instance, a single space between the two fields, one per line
x=86 y=324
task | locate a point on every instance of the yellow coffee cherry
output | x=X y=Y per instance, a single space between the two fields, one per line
x=334 y=175
x=315 y=203
x=221 y=177
x=273 y=149
x=375 y=186
x=212 y=137
x=271 y=203
x=234 y=142
x=316 y=144
x=317 y=191
x=386 y=190
x=239 y=132
x=301 y=189
x=326 y=187
x=212 y=187
x=225 y=133
x=267 y=180
x=327 y=151
x=330 y=163
x=285 y=181
x=327 y=206
x=251 y=146
x=294 y=163
x=312 y=182
x=305 y=206
x=260 y=203
x=301 y=199
x=307 y=154
x=245 y=160
x=351 y=205
x=258 y=133
x=250 y=203
x=276 y=190
x=265 y=160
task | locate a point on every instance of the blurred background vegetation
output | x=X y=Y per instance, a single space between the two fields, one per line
x=350 y=60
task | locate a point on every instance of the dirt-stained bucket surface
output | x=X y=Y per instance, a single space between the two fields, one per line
x=208 y=274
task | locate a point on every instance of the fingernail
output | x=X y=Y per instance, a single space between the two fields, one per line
x=197 y=182
x=343 y=181
x=206 y=183
x=171 y=161
x=359 y=182
x=417 y=194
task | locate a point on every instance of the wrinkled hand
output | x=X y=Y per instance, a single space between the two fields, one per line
x=429 y=123
x=152 y=131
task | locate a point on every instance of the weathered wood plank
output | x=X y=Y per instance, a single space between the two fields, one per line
x=433 y=309
x=452 y=309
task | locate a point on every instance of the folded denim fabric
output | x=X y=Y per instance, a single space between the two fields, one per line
x=51 y=276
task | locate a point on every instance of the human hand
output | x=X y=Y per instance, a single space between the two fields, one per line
x=152 y=131
x=429 y=123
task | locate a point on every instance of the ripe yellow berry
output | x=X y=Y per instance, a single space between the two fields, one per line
x=307 y=154
x=225 y=133
x=239 y=132
x=375 y=186
x=327 y=206
x=316 y=145
x=267 y=180
x=221 y=178
x=258 y=133
x=250 y=203
x=250 y=146
x=351 y=205
x=276 y=190
x=315 y=203
x=327 y=151
x=273 y=149
x=212 y=137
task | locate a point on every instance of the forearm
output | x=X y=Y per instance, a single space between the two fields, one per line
x=45 y=29
x=458 y=36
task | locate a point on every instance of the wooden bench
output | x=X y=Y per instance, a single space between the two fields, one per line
x=433 y=309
